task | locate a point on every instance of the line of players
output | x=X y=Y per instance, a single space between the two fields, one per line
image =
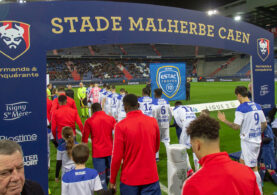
x=156 y=107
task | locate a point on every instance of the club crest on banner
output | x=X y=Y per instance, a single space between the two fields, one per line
x=14 y=38
x=169 y=80
x=263 y=48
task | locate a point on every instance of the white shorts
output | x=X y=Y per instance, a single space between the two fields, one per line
x=164 y=135
x=60 y=154
x=250 y=153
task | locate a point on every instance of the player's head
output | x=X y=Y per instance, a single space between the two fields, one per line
x=122 y=91
x=91 y=85
x=204 y=136
x=12 y=177
x=178 y=103
x=81 y=84
x=61 y=90
x=205 y=112
x=49 y=86
x=68 y=136
x=113 y=88
x=69 y=86
x=104 y=85
x=96 y=85
x=158 y=93
x=130 y=103
x=96 y=107
x=108 y=87
x=62 y=100
x=241 y=93
x=80 y=154
x=145 y=92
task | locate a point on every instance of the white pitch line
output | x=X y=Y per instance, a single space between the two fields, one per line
x=163 y=187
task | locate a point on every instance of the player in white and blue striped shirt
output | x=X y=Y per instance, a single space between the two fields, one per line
x=145 y=102
x=162 y=113
x=81 y=180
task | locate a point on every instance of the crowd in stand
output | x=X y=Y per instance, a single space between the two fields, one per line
x=105 y=69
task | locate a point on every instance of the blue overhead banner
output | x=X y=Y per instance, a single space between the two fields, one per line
x=29 y=30
x=171 y=78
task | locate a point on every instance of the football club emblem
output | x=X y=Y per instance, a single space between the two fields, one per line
x=169 y=80
x=14 y=38
x=263 y=48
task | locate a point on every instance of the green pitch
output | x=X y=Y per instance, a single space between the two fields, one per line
x=200 y=93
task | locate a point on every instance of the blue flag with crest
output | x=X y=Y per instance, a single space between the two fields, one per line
x=171 y=78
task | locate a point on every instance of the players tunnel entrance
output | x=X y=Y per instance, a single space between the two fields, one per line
x=28 y=31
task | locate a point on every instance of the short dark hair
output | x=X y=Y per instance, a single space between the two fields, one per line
x=62 y=98
x=242 y=90
x=108 y=87
x=80 y=153
x=8 y=147
x=104 y=85
x=61 y=89
x=113 y=87
x=146 y=91
x=204 y=127
x=96 y=107
x=158 y=92
x=178 y=103
x=130 y=100
x=122 y=90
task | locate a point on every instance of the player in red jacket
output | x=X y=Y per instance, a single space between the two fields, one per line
x=136 y=141
x=65 y=116
x=100 y=126
x=219 y=174
x=69 y=102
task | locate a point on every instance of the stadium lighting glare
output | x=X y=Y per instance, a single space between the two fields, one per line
x=237 y=18
x=21 y=1
x=212 y=12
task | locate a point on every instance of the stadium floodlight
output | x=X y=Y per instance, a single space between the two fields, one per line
x=237 y=18
x=212 y=12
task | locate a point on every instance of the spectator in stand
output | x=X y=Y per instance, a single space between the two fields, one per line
x=219 y=174
x=100 y=126
x=139 y=173
x=12 y=178
x=69 y=92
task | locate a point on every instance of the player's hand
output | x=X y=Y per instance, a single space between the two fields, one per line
x=221 y=116
x=112 y=186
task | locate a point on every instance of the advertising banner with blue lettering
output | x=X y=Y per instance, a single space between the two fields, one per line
x=29 y=30
x=171 y=78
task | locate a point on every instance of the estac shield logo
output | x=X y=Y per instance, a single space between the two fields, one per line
x=263 y=48
x=169 y=80
x=14 y=38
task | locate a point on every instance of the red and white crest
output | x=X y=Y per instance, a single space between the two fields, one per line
x=263 y=48
x=14 y=38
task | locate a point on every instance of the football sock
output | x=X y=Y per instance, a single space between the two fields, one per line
x=157 y=155
x=83 y=112
x=58 y=168
x=196 y=163
x=86 y=110
x=262 y=172
x=188 y=163
x=259 y=181
x=89 y=112
x=274 y=176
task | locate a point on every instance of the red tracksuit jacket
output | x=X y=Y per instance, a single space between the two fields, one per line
x=100 y=126
x=136 y=141
x=220 y=175
x=69 y=102
x=65 y=116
